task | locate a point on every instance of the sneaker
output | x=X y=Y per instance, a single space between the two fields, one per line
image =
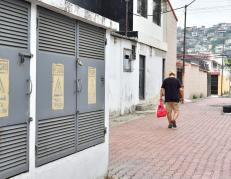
x=174 y=124
x=170 y=126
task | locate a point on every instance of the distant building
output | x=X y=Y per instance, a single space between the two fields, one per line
x=194 y=34
x=195 y=79
x=219 y=49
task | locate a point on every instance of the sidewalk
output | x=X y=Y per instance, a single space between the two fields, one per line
x=200 y=148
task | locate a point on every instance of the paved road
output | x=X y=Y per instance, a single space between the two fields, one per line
x=200 y=148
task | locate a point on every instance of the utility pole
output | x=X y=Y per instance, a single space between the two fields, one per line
x=184 y=45
x=222 y=64
x=222 y=58
x=126 y=23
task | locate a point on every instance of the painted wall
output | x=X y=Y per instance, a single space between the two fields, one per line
x=171 y=32
x=123 y=86
x=226 y=83
x=195 y=82
x=153 y=72
x=91 y=163
x=149 y=33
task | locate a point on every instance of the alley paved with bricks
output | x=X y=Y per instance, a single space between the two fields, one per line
x=200 y=148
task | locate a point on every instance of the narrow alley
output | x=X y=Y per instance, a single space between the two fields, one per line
x=200 y=148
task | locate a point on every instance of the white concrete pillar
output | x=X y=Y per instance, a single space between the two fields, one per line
x=33 y=49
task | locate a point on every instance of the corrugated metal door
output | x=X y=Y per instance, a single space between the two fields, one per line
x=14 y=87
x=56 y=87
x=91 y=88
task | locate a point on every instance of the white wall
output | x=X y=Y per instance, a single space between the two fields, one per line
x=171 y=32
x=153 y=72
x=88 y=164
x=123 y=86
x=149 y=33
x=91 y=163
x=195 y=82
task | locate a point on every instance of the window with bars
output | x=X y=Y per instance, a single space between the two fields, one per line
x=142 y=8
x=157 y=12
x=128 y=65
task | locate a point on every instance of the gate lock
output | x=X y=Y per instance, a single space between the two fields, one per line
x=79 y=62
x=24 y=56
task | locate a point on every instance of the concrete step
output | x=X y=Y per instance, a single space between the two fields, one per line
x=144 y=107
x=146 y=112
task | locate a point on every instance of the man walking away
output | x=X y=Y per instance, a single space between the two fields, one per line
x=173 y=92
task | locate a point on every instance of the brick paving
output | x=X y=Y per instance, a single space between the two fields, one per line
x=200 y=148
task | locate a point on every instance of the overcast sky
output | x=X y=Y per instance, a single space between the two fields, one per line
x=203 y=12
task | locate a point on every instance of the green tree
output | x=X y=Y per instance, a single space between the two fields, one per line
x=228 y=63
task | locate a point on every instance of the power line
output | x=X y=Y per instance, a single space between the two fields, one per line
x=184 y=47
x=190 y=3
x=204 y=12
x=209 y=8
x=167 y=11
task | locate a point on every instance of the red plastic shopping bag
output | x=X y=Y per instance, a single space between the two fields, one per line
x=161 y=110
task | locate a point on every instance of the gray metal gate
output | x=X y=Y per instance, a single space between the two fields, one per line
x=70 y=97
x=91 y=87
x=56 y=87
x=14 y=87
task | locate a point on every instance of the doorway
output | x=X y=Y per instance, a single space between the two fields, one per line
x=214 y=84
x=142 y=78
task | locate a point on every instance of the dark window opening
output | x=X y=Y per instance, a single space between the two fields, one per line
x=127 y=60
x=157 y=12
x=214 y=84
x=142 y=8
x=133 y=52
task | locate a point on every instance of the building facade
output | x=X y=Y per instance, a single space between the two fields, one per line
x=72 y=65
x=220 y=84
x=54 y=114
x=171 y=54
x=196 y=79
x=151 y=43
x=208 y=77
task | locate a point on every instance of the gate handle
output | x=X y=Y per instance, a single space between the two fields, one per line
x=79 y=85
x=31 y=87
x=79 y=62
x=23 y=56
